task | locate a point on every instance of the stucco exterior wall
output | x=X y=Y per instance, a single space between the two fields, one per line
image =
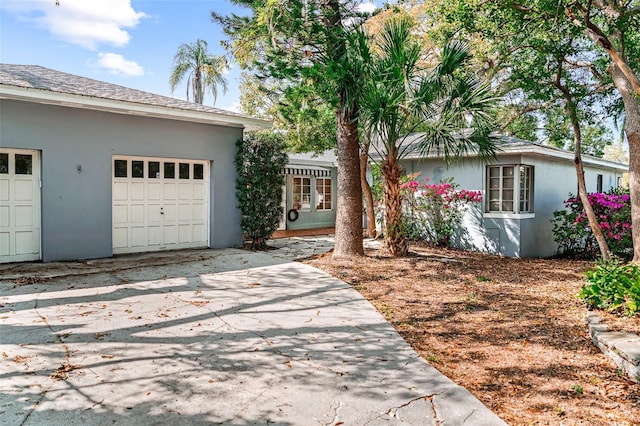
x=76 y=204
x=523 y=235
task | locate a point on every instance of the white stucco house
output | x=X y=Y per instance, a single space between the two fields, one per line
x=89 y=169
x=521 y=190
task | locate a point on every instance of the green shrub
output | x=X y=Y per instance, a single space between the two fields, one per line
x=259 y=160
x=613 y=286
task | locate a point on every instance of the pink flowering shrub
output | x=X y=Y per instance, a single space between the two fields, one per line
x=572 y=232
x=434 y=211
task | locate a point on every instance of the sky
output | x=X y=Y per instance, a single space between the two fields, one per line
x=125 y=42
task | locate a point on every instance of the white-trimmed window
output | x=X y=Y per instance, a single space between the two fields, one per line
x=323 y=194
x=510 y=189
x=302 y=193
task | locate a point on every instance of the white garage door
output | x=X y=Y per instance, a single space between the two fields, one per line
x=19 y=205
x=159 y=204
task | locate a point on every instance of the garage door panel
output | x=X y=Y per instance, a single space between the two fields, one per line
x=121 y=191
x=185 y=233
x=199 y=192
x=154 y=190
x=153 y=213
x=137 y=191
x=170 y=234
x=155 y=235
x=25 y=242
x=185 y=212
x=137 y=213
x=185 y=191
x=120 y=214
x=198 y=212
x=162 y=209
x=23 y=190
x=4 y=190
x=5 y=216
x=169 y=191
x=138 y=236
x=170 y=212
x=19 y=205
x=5 y=241
x=120 y=238
x=24 y=216
x=199 y=232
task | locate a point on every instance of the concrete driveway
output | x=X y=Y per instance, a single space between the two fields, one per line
x=209 y=337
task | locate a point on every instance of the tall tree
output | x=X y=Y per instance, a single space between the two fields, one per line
x=314 y=43
x=205 y=71
x=608 y=30
x=449 y=106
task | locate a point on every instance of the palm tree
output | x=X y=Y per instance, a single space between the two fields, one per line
x=448 y=106
x=205 y=70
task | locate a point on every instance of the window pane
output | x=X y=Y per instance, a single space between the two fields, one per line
x=323 y=194
x=507 y=206
x=198 y=171
x=494 y=206
x=507 y=195
x=4 y=163
x=169 y=170
x=184 y=170
x=507 y=171
x=302 y=193
x=494 y=171
x=137 y=169
x=154 y=169
x=23 y=164
x=120 y=168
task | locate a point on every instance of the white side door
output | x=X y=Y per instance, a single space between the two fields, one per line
x=19 y=205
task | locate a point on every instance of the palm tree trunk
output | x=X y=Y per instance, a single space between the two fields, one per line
x=395 y=239
x=197 y=87
x=632 y=129
x=348 y=237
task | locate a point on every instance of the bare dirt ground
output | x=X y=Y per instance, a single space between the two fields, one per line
x=511 y=331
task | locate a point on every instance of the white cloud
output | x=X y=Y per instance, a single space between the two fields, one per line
x=366 y=7
x=117 y=64
x=87 y=23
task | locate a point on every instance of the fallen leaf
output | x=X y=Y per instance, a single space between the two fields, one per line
x=4 y=355
x=198 y=302
x=61 y=372
x=254 y=284
x=84 y=314
x=20 y=359
x=106 y=356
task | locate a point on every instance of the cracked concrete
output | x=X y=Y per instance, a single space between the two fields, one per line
x=209 y=337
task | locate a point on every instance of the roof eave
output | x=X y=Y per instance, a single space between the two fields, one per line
x=538 y=151
x=47 y=97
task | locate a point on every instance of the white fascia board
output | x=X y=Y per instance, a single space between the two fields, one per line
x=128 y=108
x=537 y=150
x=564 y=155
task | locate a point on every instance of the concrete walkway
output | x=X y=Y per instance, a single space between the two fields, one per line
x=209 y=337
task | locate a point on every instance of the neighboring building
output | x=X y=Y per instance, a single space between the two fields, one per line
x=521 y=190
x=90 y=169
x=309 y=194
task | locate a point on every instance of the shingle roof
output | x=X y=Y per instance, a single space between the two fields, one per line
x=46 y=79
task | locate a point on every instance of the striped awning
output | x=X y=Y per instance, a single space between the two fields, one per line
x=307 y=171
